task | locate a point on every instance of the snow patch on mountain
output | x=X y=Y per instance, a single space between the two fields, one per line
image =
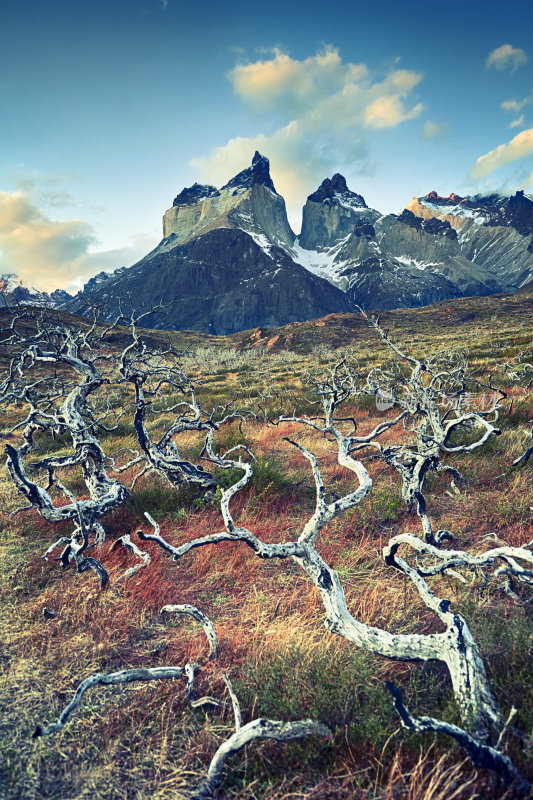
x=458 y=210
x=260 y=239
x=413 y=262
x=320 y=262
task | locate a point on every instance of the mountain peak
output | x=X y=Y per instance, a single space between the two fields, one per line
x=335 y=191
x=492 y=209
x=194 y=194
x=451 y=199
x=257 y=174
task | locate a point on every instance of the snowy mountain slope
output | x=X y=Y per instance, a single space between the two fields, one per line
x=494 y=232
x=14 y=292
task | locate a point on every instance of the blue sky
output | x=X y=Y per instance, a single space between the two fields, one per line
x=110 y=108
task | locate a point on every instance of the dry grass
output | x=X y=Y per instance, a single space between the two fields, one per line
x=145 y=741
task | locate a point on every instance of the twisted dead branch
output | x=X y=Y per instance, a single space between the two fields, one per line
x=418 y=388
x=145 y=558
x=480 y=754
x=59 y=405
x=156 y=375
x=244 y=734
x=435 y=394
x=455 y=647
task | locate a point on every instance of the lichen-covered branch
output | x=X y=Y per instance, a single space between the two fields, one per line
x=200 y=617
x=257 y=729
x=435 y=394
x=59 y=405
x=150 y=373
x=145 y=558
x=108 y=679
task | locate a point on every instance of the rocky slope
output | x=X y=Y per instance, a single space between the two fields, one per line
x=384 y=261
x=248 y=201
x=219 y=283
x=494 y=232
x=332 y=213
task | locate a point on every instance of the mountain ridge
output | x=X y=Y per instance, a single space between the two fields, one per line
x=230 y=257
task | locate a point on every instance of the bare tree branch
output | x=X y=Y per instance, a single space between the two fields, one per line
x=257 y=729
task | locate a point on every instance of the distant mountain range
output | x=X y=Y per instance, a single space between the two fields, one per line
x=15 y=292
x=229 y=260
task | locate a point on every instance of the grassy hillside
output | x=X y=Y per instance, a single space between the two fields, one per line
x=144 y=740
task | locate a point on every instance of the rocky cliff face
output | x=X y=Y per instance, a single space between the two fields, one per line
x=374 y=283
x=384 y=261
x=433 y=251
x=220 y=282
x=331 y=214
x=248 y=201
x=493 y=232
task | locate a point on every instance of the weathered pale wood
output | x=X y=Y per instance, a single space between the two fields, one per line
x=257 y=729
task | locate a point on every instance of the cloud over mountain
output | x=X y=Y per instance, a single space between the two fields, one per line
x=325 y=110
x=50 y=254
x=44 y=253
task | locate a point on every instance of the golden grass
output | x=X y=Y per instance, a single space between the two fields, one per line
x=144 y=741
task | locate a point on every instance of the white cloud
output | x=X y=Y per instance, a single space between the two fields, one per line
x=41 y=251
x=387 y=112
x=517 y=122
x=324 y=110
x=51 y=254
x=519 y=147
x=433 y=129
x=506 y=57
x=283 y=82
x=513 y=105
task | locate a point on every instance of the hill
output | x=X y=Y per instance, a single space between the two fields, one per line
x=58 y=627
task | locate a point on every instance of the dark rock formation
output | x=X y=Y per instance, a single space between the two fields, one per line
x=194 y=193
x=332 y=213
x=364 y=229
x=256 y=175
x=519 y=213
x=219 y=283
x=380 y=283
x=330 y=188
x=434 y=226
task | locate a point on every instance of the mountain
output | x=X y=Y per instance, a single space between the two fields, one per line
x=14 y=292
x=247 y=202
x=384 y=261
x=494 y=232
x=223 y=265
x=229 y=260
x=333 y=213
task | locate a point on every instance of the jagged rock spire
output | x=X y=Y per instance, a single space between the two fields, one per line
x=257 y=174
x=331 y=187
